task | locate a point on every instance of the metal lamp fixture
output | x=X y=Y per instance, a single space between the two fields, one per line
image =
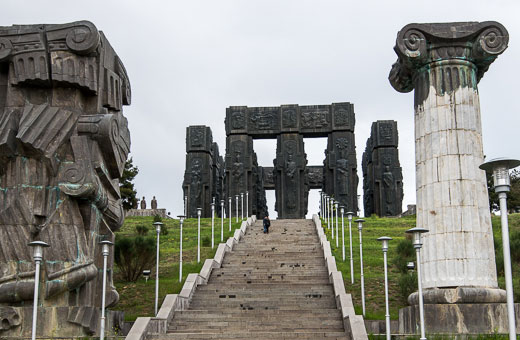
x=337 y=234
x=342 y=209
x=199 y=212
x=158 y=226
x=247 y=204
x=384 y=240
x=222 y=221
x=38 y=257
x=360 y=229
x=236 y=208
x=181 y=220
x=242 y=206
x=417 y=244
x=499 y=168
x=213 y=225
x=332 y=217
x=349 y=215
x=105 y=251
x=230 y=200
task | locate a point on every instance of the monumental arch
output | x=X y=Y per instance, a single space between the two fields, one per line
x=442 y=64
x=290 y=176
x=63 y=145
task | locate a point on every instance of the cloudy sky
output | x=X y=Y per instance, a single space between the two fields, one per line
x=189 y=60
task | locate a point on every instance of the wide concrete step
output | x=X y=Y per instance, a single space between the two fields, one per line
x=293 y=334
x=317 y=314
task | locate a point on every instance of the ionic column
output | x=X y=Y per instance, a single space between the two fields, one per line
x=443 y=63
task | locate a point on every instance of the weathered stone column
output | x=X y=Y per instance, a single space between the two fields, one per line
x=443 y=63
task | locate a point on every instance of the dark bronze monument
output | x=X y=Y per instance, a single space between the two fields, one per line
x=382 y=173
x=204 y=171
x=63 y=145
x=290 y=176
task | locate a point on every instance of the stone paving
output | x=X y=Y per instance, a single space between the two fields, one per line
x=272 y=286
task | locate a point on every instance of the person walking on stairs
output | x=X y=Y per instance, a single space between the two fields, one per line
x=267 y=224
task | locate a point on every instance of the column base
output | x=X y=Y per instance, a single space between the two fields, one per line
x=58 y=321
x=459 y=295
x=459 y=318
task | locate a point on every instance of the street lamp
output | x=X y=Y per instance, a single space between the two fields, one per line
x=181 y=219
x=332 y=216
x=242 y=205
x=38 y=257
x=230 y=213
x=349 y=215
x=199 y=212
x=236 y=208
x=158 y=226
x=385 y=240
x=327 y=210
x=342 y=208
x=221 y=220
x=499 y=168
x=360 y=228
x=417 y=231
x=212 y=225
x=337 y=236
x=247 y=204
x=105 y=250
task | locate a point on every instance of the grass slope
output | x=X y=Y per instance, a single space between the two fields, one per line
x=373 y=228
x=138 y=298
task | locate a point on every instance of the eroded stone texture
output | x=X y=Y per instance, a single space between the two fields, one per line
x=63 y=145
x=204 y=171
x=382 y=173
x=443 y=64
x=293 y=122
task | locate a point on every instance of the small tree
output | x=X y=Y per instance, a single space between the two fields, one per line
x=128 y=193
x=133 y=254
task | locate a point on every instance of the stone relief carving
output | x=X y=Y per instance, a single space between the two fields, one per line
x=263 y=119
x=238 y=120
x=314 y=119
x=289 y=119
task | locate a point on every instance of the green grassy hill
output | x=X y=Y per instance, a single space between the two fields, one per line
x=374 y=228
x=137 y=299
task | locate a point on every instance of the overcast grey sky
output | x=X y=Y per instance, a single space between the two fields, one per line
x=189 y=60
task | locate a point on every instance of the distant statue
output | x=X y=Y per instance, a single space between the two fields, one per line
x=154 y=203
x=135 y=205
x=143 y=203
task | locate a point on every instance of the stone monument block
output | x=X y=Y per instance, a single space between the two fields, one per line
x=63 y=144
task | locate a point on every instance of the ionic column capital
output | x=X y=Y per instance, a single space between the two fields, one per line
x=419 y=45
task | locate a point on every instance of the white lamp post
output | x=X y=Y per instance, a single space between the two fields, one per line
x=327 y=210
x=342 y=208
x=212 y=225
x=349 y=215
x=337 y=235
x=199 y=211
x=222 y=221
x=181 y=219
x=236 y=208
x=360 y=228
x=242 y=205
x=321 y=204
x=332 y=216
x=230 y=213
x=38 y=257
x=417 y=244
x=385 y=240
x=247 y=204
x=499 y=167
x=105 y=250
x=158 y=230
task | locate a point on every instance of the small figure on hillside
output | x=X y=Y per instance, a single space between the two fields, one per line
x=267 y=224
x=154 y=203
x=136 y=202
x=143 y=203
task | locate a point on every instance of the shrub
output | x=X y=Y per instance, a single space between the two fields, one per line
x=141 y=230
x=407 y=284
x=405 y=253
x=133 y=254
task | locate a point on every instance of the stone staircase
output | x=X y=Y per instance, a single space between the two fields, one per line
x=271 y=286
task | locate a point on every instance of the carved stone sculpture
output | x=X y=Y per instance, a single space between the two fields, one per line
x=63 y=145
x=382 y=174
x=154 y=203
x=443 y=64
x=143 y=203
x=203 y=175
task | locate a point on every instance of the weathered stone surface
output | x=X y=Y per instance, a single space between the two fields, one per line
x=443 y=63
x=337 y=177
x=461 y=318
x=204 y=171
x=382 y=173
x=63 y=145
